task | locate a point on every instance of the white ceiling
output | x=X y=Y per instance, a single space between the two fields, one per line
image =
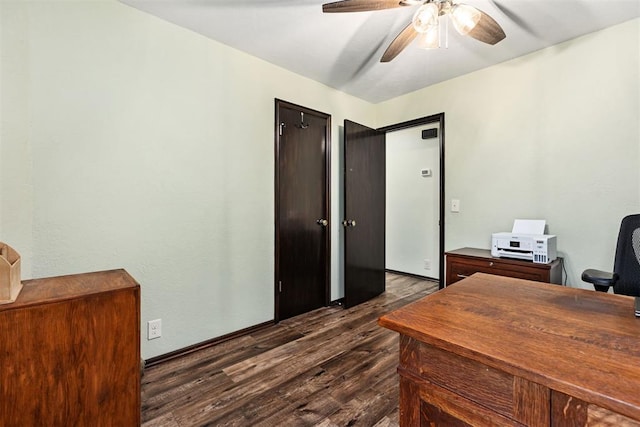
x=342 y=50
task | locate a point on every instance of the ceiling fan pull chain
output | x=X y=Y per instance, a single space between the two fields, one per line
x=446 y=31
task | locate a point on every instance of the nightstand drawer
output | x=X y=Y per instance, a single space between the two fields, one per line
x=465 y=269
x=464 y=262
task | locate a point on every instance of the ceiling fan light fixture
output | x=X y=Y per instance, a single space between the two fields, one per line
x=425 y=25
x=426 y=17
x=430 y=39
x=464 y=18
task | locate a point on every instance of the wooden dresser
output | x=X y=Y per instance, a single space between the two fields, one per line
x=498 y=351
x=70 y=352
x=462 y=263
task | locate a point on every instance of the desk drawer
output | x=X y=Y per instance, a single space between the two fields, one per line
x=484 y=385
x=441 y=407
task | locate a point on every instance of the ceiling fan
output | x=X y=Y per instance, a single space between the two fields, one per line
x=467 y=20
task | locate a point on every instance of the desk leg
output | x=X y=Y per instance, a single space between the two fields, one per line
x=409 y=404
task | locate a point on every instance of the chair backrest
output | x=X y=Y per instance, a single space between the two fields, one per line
x=627 y=261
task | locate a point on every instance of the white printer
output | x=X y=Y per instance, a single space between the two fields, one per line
x=526 y=241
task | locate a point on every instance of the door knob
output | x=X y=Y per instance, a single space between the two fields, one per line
x=322 y=222
x=349 y=223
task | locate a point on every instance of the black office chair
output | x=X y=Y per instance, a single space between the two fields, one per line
x=625 y=278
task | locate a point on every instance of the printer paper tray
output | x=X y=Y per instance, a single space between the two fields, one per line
x=502 y=253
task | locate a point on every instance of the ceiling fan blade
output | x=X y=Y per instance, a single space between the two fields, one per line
x=398 y=44
x=359 y=5
x=487 y=30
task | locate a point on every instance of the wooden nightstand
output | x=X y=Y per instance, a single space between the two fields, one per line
x=462 y=263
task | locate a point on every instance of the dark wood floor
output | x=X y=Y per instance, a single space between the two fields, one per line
x=330 y=367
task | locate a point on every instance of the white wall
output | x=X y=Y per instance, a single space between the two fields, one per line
x=16 y=192
x=554 y=135
x=412 y=202
x=126 y=141
x=139 y=144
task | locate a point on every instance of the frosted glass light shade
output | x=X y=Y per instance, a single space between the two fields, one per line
x=464 y=18
x=430 y=39
x=425 y=17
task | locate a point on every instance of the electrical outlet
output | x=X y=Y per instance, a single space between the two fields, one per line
x=154 y=329
x=427 y=264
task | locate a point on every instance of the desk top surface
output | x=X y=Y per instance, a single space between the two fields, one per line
x=579 y=342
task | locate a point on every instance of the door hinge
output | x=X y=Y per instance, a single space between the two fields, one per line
x=279 y=285
x=282 y=126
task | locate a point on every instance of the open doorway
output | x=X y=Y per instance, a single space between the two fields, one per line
x=412 y=208
x=415 y=207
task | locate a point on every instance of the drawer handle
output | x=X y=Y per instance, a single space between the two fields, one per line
x=491 y=264
x=461 y=276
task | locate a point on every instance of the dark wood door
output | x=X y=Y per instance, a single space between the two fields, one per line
x=302 y=210
x=364 y=213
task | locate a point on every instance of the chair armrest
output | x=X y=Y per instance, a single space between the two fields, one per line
x=599 y=277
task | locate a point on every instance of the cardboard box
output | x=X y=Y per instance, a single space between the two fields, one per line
x=10 y=284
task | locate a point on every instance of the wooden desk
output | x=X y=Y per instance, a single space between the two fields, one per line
x=494 y=350
x=464 y=262
x=70 y=352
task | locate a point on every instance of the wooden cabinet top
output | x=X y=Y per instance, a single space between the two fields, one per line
x=476 y=253
x=54 y=289
x=579 y=342
x=471 y=252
